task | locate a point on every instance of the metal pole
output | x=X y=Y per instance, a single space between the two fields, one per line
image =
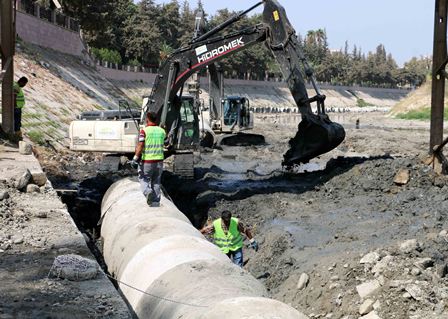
x=167 y=95
x=7 y=44
x=438 y=78
x=226 y=23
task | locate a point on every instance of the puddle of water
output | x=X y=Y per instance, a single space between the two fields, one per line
x=303 y=236
x=310 y=167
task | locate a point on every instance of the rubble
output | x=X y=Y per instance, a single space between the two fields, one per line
x=370 y=258
x=366 y=306
x=367 y=289
x=402 y=177
x=32 y=188
x=23 y=179
x=409 y=246
x=29 y=242
x=382 y=265
x=423 y=263
x=371 y=315
x=74 y=267
x=4 y=195
x=39 y=178
x=303 y=281
x=415 y=291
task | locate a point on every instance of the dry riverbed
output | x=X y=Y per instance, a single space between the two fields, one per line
x=339 y=237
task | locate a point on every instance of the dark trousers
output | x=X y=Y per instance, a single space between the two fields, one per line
x=149 y=176
x=17 y=119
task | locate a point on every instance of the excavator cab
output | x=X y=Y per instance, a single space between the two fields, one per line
x=188 y=133
x=236 y=113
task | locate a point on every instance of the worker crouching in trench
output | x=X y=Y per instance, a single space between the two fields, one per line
x=227 y=232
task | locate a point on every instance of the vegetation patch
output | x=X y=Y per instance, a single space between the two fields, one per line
x=362 y=103
x=36 y=137
x=421 y=114
x=107 y=55
x=65 y=112
x=44 y=107
x=27 y=115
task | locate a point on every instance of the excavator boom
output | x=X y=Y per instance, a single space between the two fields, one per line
x=316 y=134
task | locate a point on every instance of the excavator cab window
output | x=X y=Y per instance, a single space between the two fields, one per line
x=231 y=111
x=245 y=112
x=189 y=128
x=187 y=111
x=236 y=111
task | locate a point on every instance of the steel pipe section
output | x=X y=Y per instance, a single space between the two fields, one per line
x=167 y=269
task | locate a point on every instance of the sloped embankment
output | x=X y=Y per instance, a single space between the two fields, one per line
x=60 y=87
x=418 y=100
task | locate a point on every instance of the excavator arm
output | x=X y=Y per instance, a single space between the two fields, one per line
x=316 y=135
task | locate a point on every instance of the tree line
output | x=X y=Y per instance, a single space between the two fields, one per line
x=145 y=33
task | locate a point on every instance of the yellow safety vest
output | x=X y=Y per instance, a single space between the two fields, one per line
x=154 y=140
x=232 y=241
x=20 y=97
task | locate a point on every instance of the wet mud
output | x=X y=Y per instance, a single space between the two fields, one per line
x=310 y=219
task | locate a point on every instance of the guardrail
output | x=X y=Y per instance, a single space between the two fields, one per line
x=53 y=16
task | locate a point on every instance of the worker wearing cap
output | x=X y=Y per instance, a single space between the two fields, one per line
x=19 y=103
x=149 y=158
x=227 y=236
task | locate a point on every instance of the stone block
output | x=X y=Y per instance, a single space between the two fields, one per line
x=39 y=178
x=368 y=288
x=25 y=148
x=402 y=177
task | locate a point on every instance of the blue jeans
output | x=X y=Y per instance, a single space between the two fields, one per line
x=149 y=176
x=236 y=257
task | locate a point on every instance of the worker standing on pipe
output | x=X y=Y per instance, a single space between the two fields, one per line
x=227 y=236
x=149 y=158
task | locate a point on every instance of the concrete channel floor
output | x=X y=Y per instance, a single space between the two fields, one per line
x=35 y=227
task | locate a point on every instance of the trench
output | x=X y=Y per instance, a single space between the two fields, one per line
x=197 y=198
x=83 y=198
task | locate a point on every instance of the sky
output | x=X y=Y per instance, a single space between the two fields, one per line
x=404 y=27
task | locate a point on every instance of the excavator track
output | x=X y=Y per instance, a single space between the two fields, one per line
x=241 y=139
x=316 y=135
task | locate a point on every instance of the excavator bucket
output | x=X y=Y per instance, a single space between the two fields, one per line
x=316 y=135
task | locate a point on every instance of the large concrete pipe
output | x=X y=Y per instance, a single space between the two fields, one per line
x=167 y=269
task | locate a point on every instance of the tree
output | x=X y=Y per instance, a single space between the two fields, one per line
x=168 y=22
x=414 y=72
x=186 y=23
x=142 y=40
x=92 y=14
x=316 y=46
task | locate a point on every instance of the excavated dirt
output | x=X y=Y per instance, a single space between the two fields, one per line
x=322 y=222
x=319 y=219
